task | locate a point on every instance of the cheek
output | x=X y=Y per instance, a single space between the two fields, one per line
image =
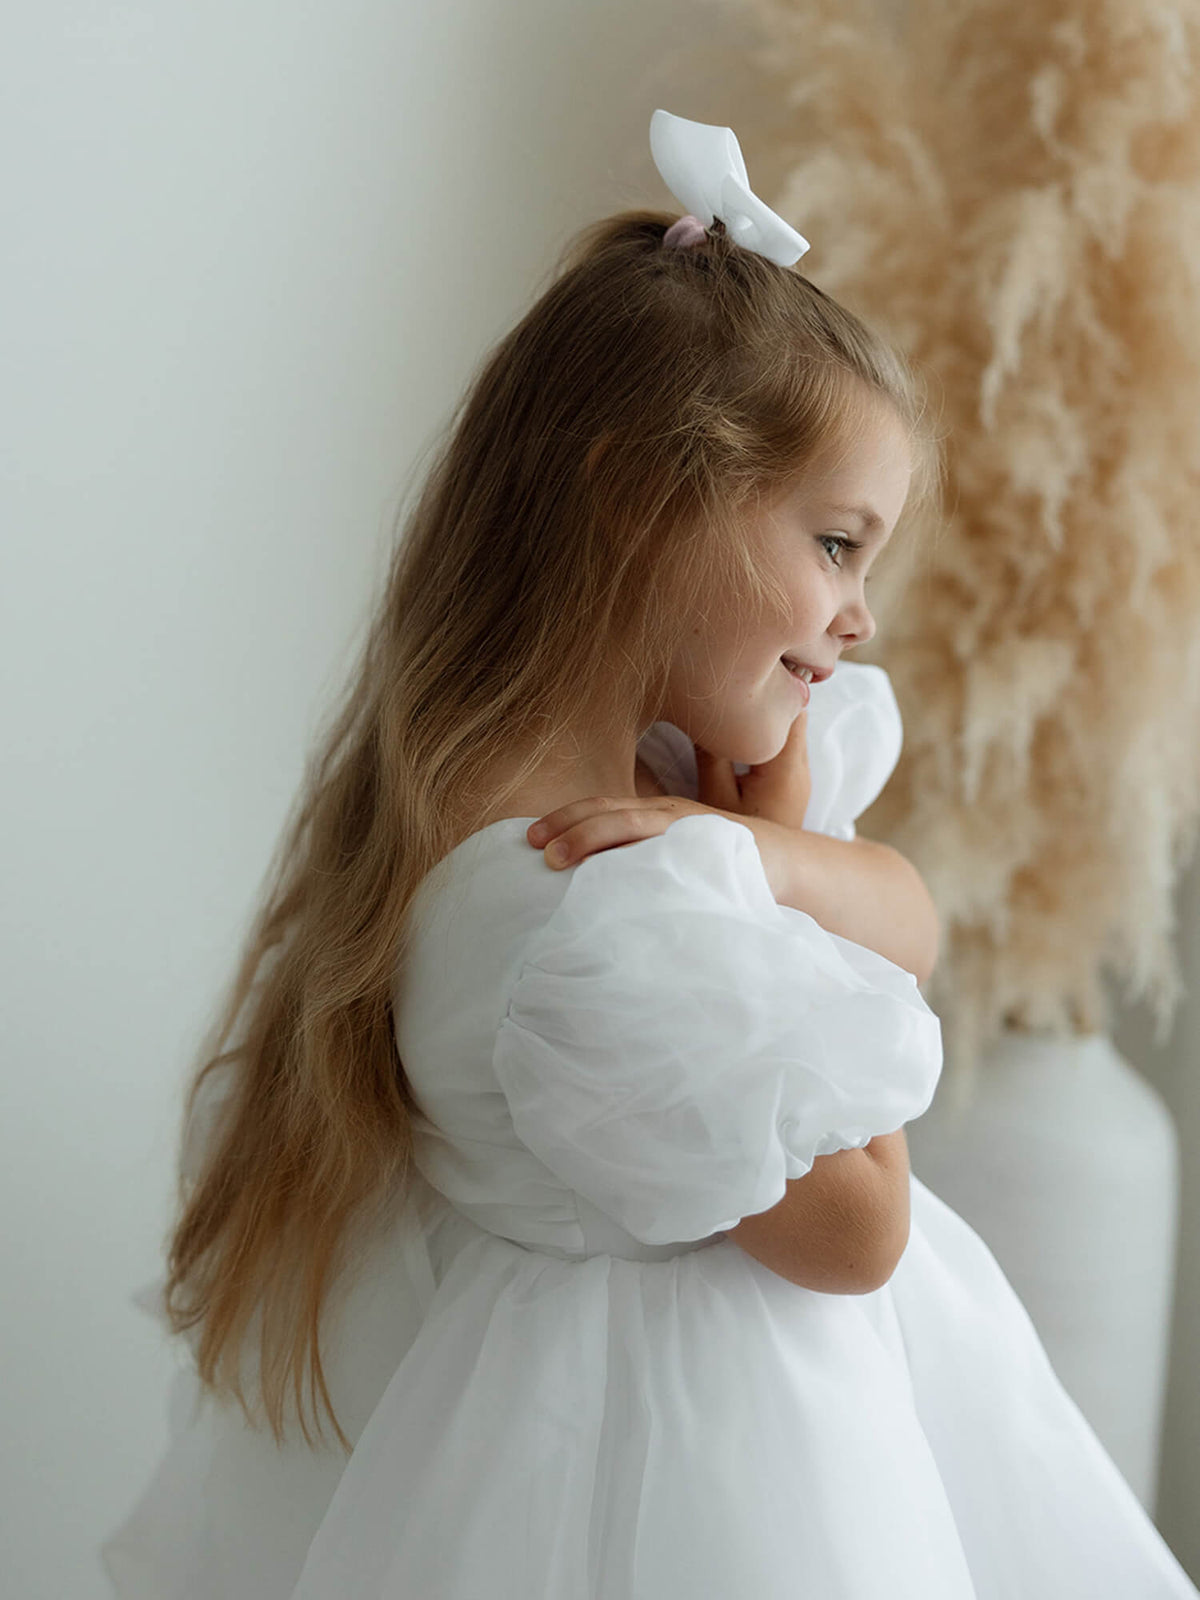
x=808 y=595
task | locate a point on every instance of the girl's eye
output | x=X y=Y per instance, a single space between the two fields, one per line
x=840 y=541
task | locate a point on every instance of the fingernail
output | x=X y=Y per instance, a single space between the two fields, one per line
x=537 y=833
x=557 y=854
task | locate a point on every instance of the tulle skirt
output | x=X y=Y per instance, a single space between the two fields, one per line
x=611 y=1429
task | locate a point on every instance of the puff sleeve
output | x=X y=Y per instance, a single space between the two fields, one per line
x=677 y=1046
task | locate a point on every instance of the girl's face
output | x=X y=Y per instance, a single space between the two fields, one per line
x=735 y=697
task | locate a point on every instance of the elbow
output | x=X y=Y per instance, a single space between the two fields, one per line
x=863 y=1269
x=865 y=1258
x=890 y=1216
x=843 y=1227
x=924 y=921
x=878 y=1269
x=891 y=1232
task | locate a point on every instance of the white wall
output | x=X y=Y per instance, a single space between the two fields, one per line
x=253 y=253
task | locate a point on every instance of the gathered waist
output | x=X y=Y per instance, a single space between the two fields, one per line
x=601 y=1235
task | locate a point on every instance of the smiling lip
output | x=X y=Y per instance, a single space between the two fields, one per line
x=800 y=683
x=819 y=674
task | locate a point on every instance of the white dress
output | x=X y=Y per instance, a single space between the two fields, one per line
x=562 y=1380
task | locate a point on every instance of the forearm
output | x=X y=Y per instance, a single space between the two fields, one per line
x=867 y=892
x=843 y=1226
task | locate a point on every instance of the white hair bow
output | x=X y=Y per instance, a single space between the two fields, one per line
x=701 y=164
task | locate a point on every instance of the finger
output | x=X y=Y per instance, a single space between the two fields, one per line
x=607 y=830
x=791 y=757
x=551 y=823
x=795 y=747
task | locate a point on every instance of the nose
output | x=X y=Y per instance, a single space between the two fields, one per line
x=862 y=625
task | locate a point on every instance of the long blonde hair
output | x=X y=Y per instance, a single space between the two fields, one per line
x=589 y=496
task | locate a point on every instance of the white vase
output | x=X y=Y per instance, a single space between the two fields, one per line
x=1066 y=1163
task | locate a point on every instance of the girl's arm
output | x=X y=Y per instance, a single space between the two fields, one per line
x=863 y=890
x=859 y=888
x=843 y=1227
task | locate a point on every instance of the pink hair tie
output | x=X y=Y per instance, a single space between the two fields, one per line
x=689 y=230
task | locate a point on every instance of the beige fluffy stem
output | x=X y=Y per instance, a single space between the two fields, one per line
x=1011 y=188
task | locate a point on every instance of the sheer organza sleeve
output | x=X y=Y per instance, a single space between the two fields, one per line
x=677 y=1046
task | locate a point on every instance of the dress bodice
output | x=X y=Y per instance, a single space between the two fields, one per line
x=484 y=907
x=464 y=1142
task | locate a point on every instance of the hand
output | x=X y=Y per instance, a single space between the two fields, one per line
x=778 y=789
x=770 y=800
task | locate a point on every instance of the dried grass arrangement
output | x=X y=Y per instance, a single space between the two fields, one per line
x=1011 y=188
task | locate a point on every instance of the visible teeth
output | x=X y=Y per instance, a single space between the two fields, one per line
x=798 y=672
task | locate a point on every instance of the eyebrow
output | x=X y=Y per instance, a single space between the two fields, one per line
x=871 y=520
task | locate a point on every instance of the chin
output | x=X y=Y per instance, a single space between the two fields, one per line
x=751 y=747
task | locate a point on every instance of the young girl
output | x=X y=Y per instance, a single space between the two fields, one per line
x=588 y=1178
